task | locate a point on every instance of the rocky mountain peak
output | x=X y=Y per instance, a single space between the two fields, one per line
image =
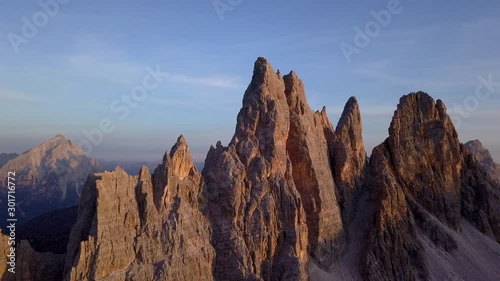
x=58 y=144
x=262 y=122
x=58 y=137
x=349 y=157
x=265 y=84
x=263 y=72
x=280 y=146
x=181 y=161
x=475 y=143
x=162 y=231
x=50 y=175
x=424 y=184
x=351 y=116
x=262 y=67
x=423 y=141
x=418 y=110
x=295 y=93
x=57 y=155
x=483 y=156
x=350 y=125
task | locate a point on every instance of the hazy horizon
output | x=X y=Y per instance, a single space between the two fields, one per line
x=73 y=71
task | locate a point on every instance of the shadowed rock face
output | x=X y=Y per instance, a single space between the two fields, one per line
x=30 y=265
x=50 y=231
x=481 y=198
x=392 y=252
x=308 y=150
x=483 y=157
x=349 y=158
x=144 y=227
x=427 y=155
x=421 y=180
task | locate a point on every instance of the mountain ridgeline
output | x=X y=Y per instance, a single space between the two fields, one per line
x=292 y=198
x=49 y=177
x=5 y=157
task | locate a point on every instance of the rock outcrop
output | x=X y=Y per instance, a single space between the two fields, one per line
x=392 y=249
x=483 y=157
x=427 y=155
x=307 y=146
x=6 y=157
x=481 y=198
x=48 y=177
x=146 y=227
x=258 y=220
x=423 y=183
x=348 y=155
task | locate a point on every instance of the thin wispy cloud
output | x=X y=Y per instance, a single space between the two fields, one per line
x=115 y=71
x=487 y=115
x=125 y=72
x=170 y=102
x=211 y=81
x=446 y=77
x=199 y=101
x=479 y=26
x=6 y=94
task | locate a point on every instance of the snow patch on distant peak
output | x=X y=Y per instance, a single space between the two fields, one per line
x=58 y=137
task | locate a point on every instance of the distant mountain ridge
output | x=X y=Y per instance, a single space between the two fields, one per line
x=483 y=156
x=48 y=177
x=5 y=157
x=131 y=167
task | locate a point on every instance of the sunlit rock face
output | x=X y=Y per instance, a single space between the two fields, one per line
x=258 y=220
x=147 y=227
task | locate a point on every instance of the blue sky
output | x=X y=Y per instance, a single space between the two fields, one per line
x=65 y=78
